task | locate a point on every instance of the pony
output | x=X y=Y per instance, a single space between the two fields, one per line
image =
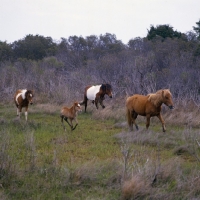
x=23 y=98
x=96 y=94
x=148 y=106
x=71 y=114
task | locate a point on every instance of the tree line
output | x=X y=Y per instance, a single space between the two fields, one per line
x=163 y=59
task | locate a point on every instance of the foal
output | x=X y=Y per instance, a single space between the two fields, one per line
x=23 y=98
x=71 y=114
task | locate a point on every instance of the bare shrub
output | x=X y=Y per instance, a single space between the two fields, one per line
x=135 y=188
x=170 y=171
x=92 y=172
x=185 y=113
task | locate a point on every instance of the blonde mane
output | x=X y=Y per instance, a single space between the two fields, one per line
x=156 y=98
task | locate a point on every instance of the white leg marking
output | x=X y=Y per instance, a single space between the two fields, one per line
x=26 y=115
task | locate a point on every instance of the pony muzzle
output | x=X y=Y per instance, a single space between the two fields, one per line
x=171 y=107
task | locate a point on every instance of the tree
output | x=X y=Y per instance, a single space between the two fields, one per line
x=5 y=51
x=162 y=31
x=197 y=29
x=136 y=44
x=109 y=43
x=34 y=47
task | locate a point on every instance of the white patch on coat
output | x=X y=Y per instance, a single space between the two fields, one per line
x=22 y=93
x=92 y=91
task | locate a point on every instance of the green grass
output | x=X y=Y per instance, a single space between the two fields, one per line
x=39 y=160
x=45 y=156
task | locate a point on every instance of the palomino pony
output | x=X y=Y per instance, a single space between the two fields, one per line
x=148 y=106
x=22 y=99
x=71 y=114
x=96 y=93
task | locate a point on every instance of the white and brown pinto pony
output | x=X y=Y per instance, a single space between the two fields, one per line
x=96 y=94
x=22 y=99
x=71 y=114
x=148 y=106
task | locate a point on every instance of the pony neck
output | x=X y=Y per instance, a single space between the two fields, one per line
x=153 y=98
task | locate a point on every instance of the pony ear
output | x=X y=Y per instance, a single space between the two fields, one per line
x=163 y=93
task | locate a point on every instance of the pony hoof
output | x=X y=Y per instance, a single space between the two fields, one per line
x=103 y=107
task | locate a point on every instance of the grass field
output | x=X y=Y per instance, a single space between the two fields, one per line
x=100 y=159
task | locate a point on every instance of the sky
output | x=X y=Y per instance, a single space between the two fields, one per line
x=127 y=19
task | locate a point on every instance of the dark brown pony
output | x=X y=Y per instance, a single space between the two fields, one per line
x=148 y=106
x=96 y=94
x=71 y=114
x=23 y=98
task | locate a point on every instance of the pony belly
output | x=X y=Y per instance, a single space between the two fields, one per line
x=92 y=91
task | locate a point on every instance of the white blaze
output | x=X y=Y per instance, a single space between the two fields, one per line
x=92 y=91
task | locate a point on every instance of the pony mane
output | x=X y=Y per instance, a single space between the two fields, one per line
x=109 y=86
x=156 y=98
x=106 y=86
x=103 y=86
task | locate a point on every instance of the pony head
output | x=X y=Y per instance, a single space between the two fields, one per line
x=167 y=98
x=107 y=89
x=161 y=96
x=77 y=106
x=29 y=96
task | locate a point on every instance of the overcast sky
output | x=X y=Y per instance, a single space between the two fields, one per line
x=127 y=19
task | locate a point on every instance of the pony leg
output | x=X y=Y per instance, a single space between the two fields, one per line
x=61 y=116
x=162 y=121
x=19 y=111
x=96 y=102
x=129 y=119
x=84 y=102
x=70 y=124
x=148 y=121
x=76 y=124
x=74 y=127
x=85 y=105
x=26 y=113
x=134 y=117
x=101 y=102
